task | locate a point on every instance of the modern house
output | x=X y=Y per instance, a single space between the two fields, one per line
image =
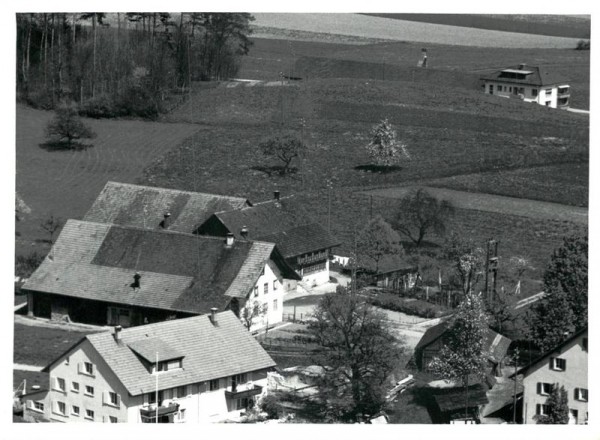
x=565 y=365
x=157 y=208
x=304 y=243
x=120 y=275
x=529 y=83
x=495 y=345
x=199 y=369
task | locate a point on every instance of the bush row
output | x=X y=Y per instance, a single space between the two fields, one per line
x=417 y=307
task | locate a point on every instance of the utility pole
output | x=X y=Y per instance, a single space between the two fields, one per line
x=516 y=360
x=156 y=390
x=491 y=266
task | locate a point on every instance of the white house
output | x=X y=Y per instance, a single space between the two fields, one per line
x=200 y=369
x=565 y=365
x=529 y=83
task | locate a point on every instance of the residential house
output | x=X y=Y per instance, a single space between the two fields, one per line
x=495 y=345
x=199 y=369
x=304 y=243
x=565 y=365
x=451 y=405
x=107 y=274
x=529 y=83
x=31 y=389
x=149 y=207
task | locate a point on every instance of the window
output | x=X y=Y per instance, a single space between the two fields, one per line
x=242 y=403
x=275 y=284
x=534 y=92
x=573 y=415
x=113 y=419
x=182 y=414
x=265 y=307
x=89 y=390
x=113 y=398
x=541 y=410
x=548 y=92
x=544 y=388
x=558 y=364
x=67 y=360
x=585 y=344
x=275 y=305
x=88 y=368
x=61 y=408
x=214 y=384
x=581 y=394
x=89 y=414
x=169 y=365
x=75 y=387
x=38 y=406
x=59 y=384
x=75 y=410
x=266 y=288
x=151 y=398
x=239 y=378
x=255 y=290
x=491 y=89
x=179 y=392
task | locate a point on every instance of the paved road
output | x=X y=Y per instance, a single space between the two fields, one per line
x=493 y=203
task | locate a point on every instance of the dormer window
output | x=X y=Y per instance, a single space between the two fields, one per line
x=157 y=355
x=169 y=365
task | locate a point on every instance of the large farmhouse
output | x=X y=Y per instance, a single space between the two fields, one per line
x=304 y=243
x=529 y=83
x=199 y=369
x=108 y=274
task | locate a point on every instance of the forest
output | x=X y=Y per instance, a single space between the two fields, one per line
x=124 y=64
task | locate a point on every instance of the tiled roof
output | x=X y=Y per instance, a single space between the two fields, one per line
x=145 y=206
x=154 y=349
x=210 y=352
x=453 y=399
x=539 y=76
x=180 y=272
x=495 y=343
x=281 y=221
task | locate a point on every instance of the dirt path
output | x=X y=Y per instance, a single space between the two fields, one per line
x=493 y=203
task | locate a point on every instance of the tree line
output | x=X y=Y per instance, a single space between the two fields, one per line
x=128 y=67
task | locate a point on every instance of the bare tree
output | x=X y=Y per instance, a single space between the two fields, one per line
x=250 y=313
x=285 y=148
x=51 y=224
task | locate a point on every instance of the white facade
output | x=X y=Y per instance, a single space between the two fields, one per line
x=315 y=275
x=553 y=96
x=102 y=393
x=572 y=374
x=268 y=294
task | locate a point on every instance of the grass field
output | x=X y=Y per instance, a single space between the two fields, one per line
x=34 y=345
x=65 y=183
x=404 y=30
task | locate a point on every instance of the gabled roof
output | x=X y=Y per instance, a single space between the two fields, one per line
x=453 y=399
x=534 y=75
x=546 y=355
x=282 y=221
x=179 y=272
x=495 y=344
x=144 y=206
x=210 y=351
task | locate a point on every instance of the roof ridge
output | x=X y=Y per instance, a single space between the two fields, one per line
x=160 y=188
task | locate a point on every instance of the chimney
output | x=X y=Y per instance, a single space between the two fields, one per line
x=522 y=66
x=229 y=240
x=213 y=315
x=136 y=281
x=276 y=195
x=117 y=333
x=244 y=232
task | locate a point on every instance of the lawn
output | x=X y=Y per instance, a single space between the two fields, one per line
x=65 y=183
x=36 y=345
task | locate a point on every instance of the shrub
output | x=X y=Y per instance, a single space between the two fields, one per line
x=583 y=45
x=137 y=101
x=270 y=405
x=99 y=107
x=393 y=302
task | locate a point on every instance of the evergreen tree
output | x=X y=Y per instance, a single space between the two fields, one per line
x=551 y=320
x=557 y=408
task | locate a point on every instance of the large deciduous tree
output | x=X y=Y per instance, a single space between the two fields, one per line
x=357 y=352
x=419 y=213
x=557 y=406
x=384 y=149
x=467 y=260
x=376 y=241
x=551 y=320
x=286 y=148
x=463 y=356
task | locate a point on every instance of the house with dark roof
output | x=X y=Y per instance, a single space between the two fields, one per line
x=201 y=369
x=121 y=275
x=564 y=365
x=149 y=207
x=303 y=242
x=433 y=340
x=529 y=83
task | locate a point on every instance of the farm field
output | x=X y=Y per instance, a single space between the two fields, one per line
x=560 y=26
x=65 y=183
x=404 y=30
x=494 y=203
x=562 y=183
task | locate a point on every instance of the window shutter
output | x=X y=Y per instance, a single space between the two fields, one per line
x=552 y=360
x=29 y=404
x=539 y=388
x=145 y=399
x=80 y=367
x=118 y=400
x=190 y=390
x=105 y=397
x=54 y=383
x=564 y=364
x=104 y=419
x=538 y=409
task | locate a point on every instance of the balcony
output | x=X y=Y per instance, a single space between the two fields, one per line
x=243 y=392
x=149 y=412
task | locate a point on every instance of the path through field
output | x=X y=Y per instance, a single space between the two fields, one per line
x=493 y=203
x=65 y=183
